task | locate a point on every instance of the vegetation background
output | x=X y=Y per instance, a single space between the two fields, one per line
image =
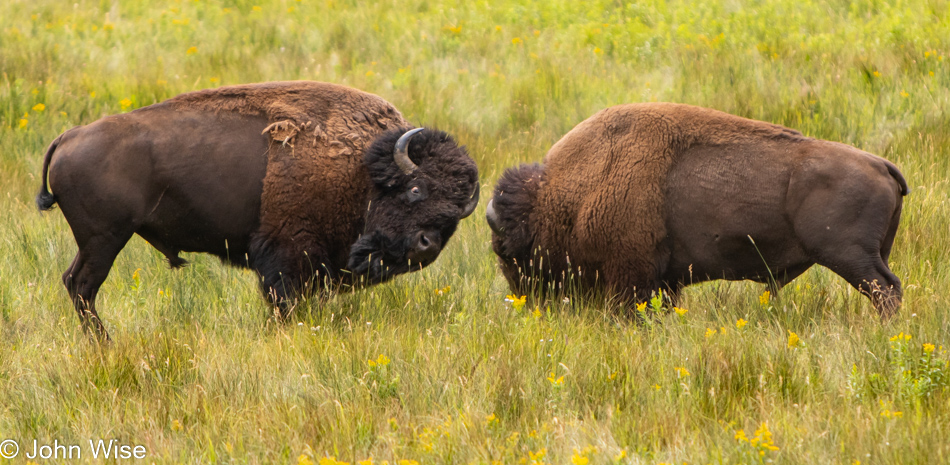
x=436 y=366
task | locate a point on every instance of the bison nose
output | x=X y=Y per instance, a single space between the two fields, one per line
x=425 y=247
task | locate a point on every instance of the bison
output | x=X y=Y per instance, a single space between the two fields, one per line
x=312 y=185
x=651 y=196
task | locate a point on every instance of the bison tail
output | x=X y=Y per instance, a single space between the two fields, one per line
x=45 y=199
x=896 y=174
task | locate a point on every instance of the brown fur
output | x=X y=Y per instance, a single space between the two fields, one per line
x=641 y=197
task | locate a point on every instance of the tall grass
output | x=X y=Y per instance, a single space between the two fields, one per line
x=200 y=373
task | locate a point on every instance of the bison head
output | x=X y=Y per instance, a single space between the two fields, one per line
x=423 y=184
x=514 y=235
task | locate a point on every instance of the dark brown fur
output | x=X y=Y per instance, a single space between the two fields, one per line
x=643 y=197
x=271 y=176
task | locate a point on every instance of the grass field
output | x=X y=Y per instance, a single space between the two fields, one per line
x=402 y=373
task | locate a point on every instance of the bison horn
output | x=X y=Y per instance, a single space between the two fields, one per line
x=472 y=203
x=492 y=217
x=401 y=153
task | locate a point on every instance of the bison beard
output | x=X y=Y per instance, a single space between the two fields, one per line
x=270 y=176
x=644 y=197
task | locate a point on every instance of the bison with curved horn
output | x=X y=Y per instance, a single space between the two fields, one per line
x=652 y=196
x=312 y=185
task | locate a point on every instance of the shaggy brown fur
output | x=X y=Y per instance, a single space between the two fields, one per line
x=647 y=196
x=281 y=177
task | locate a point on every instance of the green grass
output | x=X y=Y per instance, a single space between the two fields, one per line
x=200 y=373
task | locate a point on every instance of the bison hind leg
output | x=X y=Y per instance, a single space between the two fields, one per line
x=87 y=273
x=869 y=274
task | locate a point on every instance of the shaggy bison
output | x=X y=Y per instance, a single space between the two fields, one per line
x=654 y=196
x=309 y=184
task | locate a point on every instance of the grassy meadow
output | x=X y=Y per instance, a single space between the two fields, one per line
x=436 y=367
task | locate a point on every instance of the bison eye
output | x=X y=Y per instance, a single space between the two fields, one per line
x=416 y=193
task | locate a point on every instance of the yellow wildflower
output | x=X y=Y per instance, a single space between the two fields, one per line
x=622 y=455
x=176 y=425
x=39 y=107
x=256 y=8
x=368 y=461
x=537 y=456
x=380 y=361
x=681 y=372
x=740 y=323
x=764 y=298
x=191 y=50
x=516 y=302
x=793 y=340
x=24 y=122
x=516 y=41
x=443 y=291
x=328 y=461
x=125 y=103
x=901 y=337
x=904 y=94
x=710 y=333
x=555 y=382
x=578 y=459
x=680 y=311
x=929 y=348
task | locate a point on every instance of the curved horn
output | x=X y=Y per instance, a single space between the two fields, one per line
x=492 y=217
x=472 y=203
x=401 y=152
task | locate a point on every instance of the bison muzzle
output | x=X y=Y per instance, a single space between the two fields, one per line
x=284 y=178
x=654 y=196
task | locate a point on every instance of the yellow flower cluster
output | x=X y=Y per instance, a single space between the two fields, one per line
x=380 y=361
x=793 y=340
x=888 y=413
x=901 y=337
x=581 y=457
x=516 y=302
x=761 y=439
x=323 y=461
